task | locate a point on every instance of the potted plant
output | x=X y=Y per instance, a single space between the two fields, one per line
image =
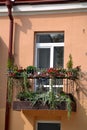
x=70 y=63
x=31 y=69
x=69 y=66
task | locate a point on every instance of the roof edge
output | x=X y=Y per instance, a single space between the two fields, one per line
x=23 y=2
x=45 y=9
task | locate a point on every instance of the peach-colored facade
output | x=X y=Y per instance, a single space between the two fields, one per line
x=74 y=26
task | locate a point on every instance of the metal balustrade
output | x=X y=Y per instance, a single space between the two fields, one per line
x=42 y=85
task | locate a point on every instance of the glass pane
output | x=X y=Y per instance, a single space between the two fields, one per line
x=49 y=37
x=58 y=61
x=43 y=61
x=42 y=84
x=58 y=56
x=48 y=126
x=43 y=58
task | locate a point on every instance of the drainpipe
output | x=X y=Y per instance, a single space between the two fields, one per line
x=7 y=111
x=9 y=4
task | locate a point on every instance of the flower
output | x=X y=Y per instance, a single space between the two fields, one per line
x=47 y=73
x=55 y=72
x=52 y=71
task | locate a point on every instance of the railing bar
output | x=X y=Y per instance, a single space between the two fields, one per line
x=64 y=85
x=67 y=86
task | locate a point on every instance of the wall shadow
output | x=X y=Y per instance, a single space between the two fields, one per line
x=81 y=86
x=18 y=28
x=80 y=118
x=81 y=91
x=28 y=119
x=3 y=72
x=3 y=80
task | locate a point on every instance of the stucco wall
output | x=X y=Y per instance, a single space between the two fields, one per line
x=4 y=33
x=74 y=26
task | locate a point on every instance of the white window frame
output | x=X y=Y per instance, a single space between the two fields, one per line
x=48 y=45
x=51 y=46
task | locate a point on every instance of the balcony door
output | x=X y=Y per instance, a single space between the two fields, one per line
x=49 y=53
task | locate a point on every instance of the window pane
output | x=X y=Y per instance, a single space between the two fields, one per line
x=58 y=56
x=43 y=58
x=58 y=61
x=50 y=38
x=48 y=126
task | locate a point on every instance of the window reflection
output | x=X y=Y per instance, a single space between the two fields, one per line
x=50 y=37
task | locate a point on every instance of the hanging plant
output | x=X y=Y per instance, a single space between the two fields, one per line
x=10 y=63
x=10 y=83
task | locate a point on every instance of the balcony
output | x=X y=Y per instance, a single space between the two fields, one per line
x=54 y=89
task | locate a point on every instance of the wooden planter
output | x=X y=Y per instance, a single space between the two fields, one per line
x=27 y=105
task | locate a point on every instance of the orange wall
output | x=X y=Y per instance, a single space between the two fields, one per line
x=4 y=29
x=74 y=26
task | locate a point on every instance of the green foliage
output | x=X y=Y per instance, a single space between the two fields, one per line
x=47 y=98
x=69 y=108
x=70 y=62
x=31 y=69
x=26 y=95
x=25 y=81
x=10 y=63
x=10 y=89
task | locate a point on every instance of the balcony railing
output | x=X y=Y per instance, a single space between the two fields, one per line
x=49 y=89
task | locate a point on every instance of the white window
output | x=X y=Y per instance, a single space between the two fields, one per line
x=49 y=51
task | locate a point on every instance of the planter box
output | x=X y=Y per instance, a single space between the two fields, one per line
x=26 y=105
